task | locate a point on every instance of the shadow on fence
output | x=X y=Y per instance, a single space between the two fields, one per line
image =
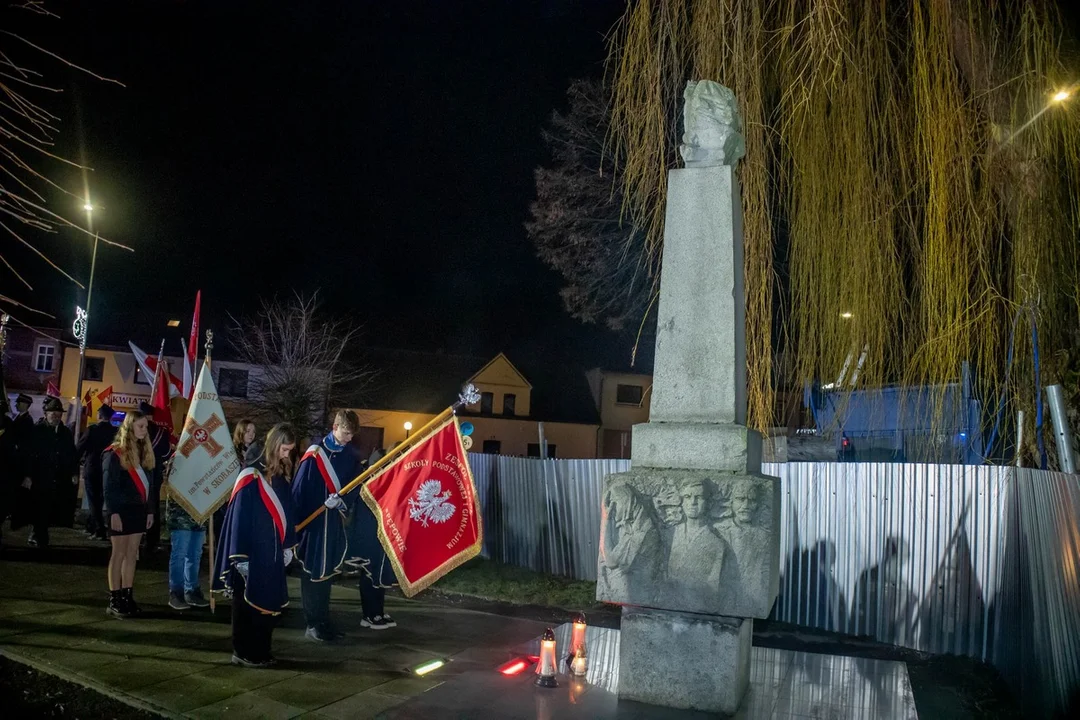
x=946 y=559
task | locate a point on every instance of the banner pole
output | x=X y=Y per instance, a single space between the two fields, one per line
x=386 y=459
x=210 y=521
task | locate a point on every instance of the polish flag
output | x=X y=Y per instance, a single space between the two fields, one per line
x=149 y=367
x=159 y=400
x=191 y=350
x=189 y=388
x=51 y=390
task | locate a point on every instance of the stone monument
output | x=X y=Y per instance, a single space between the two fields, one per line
x=690 y=543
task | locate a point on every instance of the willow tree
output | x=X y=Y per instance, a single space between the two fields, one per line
x=912 y=162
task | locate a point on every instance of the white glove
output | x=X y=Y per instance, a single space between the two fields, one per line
x=288 y=557
x=334 y=502
x=242 y=568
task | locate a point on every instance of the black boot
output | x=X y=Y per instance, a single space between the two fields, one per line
x=117 y=607
x=129 y=601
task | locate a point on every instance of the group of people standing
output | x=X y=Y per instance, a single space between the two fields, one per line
x=276 y=492
x=124 y=473
x=38 y=470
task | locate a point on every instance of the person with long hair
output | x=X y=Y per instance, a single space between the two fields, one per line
x=127 y=469
x=258 y=539
x=243 y=437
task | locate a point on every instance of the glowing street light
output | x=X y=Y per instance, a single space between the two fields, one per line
x=82 y=319
x=847 y=315
x=408 y=429
x=1061 y=96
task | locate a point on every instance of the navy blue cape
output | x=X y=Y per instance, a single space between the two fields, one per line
x=259 y=526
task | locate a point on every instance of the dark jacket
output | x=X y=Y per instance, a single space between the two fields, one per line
x=22 y=435
x=121 y=489
x=52 y=451
x=97 y=439
x=53 y=465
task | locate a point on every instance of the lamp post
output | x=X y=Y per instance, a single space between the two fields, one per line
x=408 y=429
x=82 y=322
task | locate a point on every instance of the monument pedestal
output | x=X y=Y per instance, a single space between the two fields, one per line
x=684 y=660
x=690 y=541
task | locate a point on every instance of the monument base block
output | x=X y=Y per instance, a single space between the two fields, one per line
x=682 y=660
x=697 y=446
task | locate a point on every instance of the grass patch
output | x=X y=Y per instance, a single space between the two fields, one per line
x=493 y=581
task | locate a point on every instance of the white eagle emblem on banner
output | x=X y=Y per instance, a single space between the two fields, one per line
x=432 y=504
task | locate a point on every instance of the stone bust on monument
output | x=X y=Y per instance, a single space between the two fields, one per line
x=690 y=539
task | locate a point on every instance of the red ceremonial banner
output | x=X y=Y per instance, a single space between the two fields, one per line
x=425 y=502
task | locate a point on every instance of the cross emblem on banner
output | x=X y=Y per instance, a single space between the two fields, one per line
x=201 y=436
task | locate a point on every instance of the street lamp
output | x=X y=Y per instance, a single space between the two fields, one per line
x=408 y=429
x=1061 y=96
x=82 y=320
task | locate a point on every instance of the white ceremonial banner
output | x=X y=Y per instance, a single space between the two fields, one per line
x=205 y=465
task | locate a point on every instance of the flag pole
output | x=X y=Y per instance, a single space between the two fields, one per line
x=468 y=396
x=210 y=521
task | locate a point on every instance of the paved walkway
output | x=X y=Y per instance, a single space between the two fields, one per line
x=52 y=615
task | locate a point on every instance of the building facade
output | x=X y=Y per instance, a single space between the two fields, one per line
x=553 y=419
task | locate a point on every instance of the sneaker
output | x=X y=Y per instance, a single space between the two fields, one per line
x=389 y=621
x=375 y=623
x=237 y=660
x=177 y=601
x=195 y=598
x=317 y=635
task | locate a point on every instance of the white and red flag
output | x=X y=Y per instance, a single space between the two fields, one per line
x=427 y=510
x=191 y=350
x=149 y=367
x=159 y=399
x=205 y=465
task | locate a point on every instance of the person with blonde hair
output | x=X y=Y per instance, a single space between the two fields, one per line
x=258 y=538
x=127 y=469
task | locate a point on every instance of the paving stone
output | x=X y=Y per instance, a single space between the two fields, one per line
x=245 y=706
x=361 y=706
x=140 y=672
x=307 y=691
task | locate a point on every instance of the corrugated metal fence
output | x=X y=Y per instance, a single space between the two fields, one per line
x=966 y=560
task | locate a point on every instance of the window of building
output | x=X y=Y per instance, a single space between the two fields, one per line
x=141 y=378
x=628 y=394
x=94 y=369
x=509 y=403
x=487 y=402
x=233 y=382
x=534 y=450
x=492 y=447
x=45 y=357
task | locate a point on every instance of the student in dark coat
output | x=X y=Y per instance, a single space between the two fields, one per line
x=324 y=469
x=128 y=468
x=97 y=439
x=258 y=539
x=53 y=475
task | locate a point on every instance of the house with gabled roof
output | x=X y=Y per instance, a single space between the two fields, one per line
x=524 y=408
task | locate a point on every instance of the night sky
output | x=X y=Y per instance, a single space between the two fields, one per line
x=382 y=152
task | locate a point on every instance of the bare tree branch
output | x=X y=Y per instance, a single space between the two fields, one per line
x=302 y=356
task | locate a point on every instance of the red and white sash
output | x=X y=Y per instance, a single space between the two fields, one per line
x=266 y=492
x=138 y=477
x=333 y=484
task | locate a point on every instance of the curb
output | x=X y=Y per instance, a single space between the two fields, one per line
x=81 y=681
